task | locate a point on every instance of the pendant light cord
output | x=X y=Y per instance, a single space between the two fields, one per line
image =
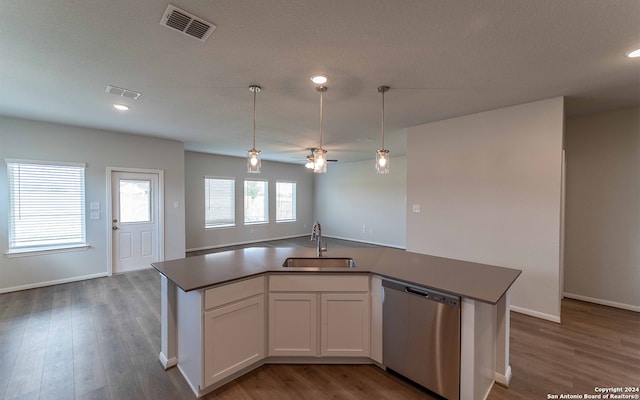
x=383 y=119
x=254 y=119
x=321 y=91
x=383 y=89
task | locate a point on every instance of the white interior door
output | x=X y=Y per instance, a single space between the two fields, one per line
x=134 y=220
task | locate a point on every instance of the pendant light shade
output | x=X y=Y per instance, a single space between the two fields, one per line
x=382 y=155
x=320 y=154
x=253 y=155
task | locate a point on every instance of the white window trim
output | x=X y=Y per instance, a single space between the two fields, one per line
x=278 y=221
x=235 y=211
x=42 y=250
x=266 y=209
x=23 y=161
x=39 y=251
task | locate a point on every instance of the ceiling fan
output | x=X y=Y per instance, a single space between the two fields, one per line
x=309 y=162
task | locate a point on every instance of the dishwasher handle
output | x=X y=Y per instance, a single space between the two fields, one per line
x=418 y=292
x=425 y=293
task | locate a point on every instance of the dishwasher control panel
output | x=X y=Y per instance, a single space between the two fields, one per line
x=430 y=294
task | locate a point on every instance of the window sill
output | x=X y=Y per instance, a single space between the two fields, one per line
x=208 y=228
x=39 y=251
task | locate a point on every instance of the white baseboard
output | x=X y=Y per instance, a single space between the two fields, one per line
x=504 y=380
x=167 y=362
x=133 y=270
x=488 y=392
x=609 y=303
x=51 y=283
x=194 y=389
x=365 y=241
x=537 y=314
x=289 y=237
x=243 y=243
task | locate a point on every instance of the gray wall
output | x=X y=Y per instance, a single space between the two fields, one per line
x=199 y=165
x=355 y=203
x=602 y=246
x=489 y=190
x=98 y=149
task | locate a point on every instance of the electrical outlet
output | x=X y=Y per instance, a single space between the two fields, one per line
x=416 y=208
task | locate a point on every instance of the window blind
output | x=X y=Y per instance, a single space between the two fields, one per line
x=220 y=202
x=46 y=205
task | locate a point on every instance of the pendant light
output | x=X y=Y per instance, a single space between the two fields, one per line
x=382 y=155
x=253 y=155
x=320 y=154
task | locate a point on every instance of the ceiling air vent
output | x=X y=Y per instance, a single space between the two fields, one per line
x=186 y=23
x=123 y=92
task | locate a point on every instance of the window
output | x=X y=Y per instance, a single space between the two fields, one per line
x=219 y=202
x=256 y=209
x=285 y=201
x=46 y=205
x=135 y=201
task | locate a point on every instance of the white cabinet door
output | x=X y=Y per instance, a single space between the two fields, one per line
x=233 y=338
x=293 y=324
x=345 y=324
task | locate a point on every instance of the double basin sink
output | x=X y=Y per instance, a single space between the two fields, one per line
x=319 y=262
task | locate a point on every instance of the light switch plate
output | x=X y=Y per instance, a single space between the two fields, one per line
x=94 y=205
x=95 y=214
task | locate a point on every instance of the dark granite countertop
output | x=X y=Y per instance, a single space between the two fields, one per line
x=485 y=283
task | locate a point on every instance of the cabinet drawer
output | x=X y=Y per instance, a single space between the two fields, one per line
x=235 y=291
x=319 y=283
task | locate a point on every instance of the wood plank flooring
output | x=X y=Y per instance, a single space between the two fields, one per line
x=100 y=339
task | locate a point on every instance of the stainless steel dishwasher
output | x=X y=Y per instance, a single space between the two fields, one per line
x=421 y=336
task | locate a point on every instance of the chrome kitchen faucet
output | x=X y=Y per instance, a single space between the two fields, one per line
x=316 y=234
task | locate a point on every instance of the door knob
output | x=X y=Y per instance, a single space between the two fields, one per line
x=115 y=228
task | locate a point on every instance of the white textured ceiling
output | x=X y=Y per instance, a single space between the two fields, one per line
x=442 y=58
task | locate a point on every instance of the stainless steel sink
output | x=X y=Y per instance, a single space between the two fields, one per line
x=315 y=262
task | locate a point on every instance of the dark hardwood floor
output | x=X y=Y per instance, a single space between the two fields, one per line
x=100 y=339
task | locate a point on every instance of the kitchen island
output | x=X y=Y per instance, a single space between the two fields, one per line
x=319 y=315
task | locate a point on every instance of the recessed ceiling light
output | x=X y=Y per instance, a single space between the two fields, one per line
x=121 y=107
x=634 y=53
x=319 y=79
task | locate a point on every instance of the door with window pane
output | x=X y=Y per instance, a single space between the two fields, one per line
x=135 y=220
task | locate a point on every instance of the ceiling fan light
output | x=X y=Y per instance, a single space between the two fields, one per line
x=309 y=164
